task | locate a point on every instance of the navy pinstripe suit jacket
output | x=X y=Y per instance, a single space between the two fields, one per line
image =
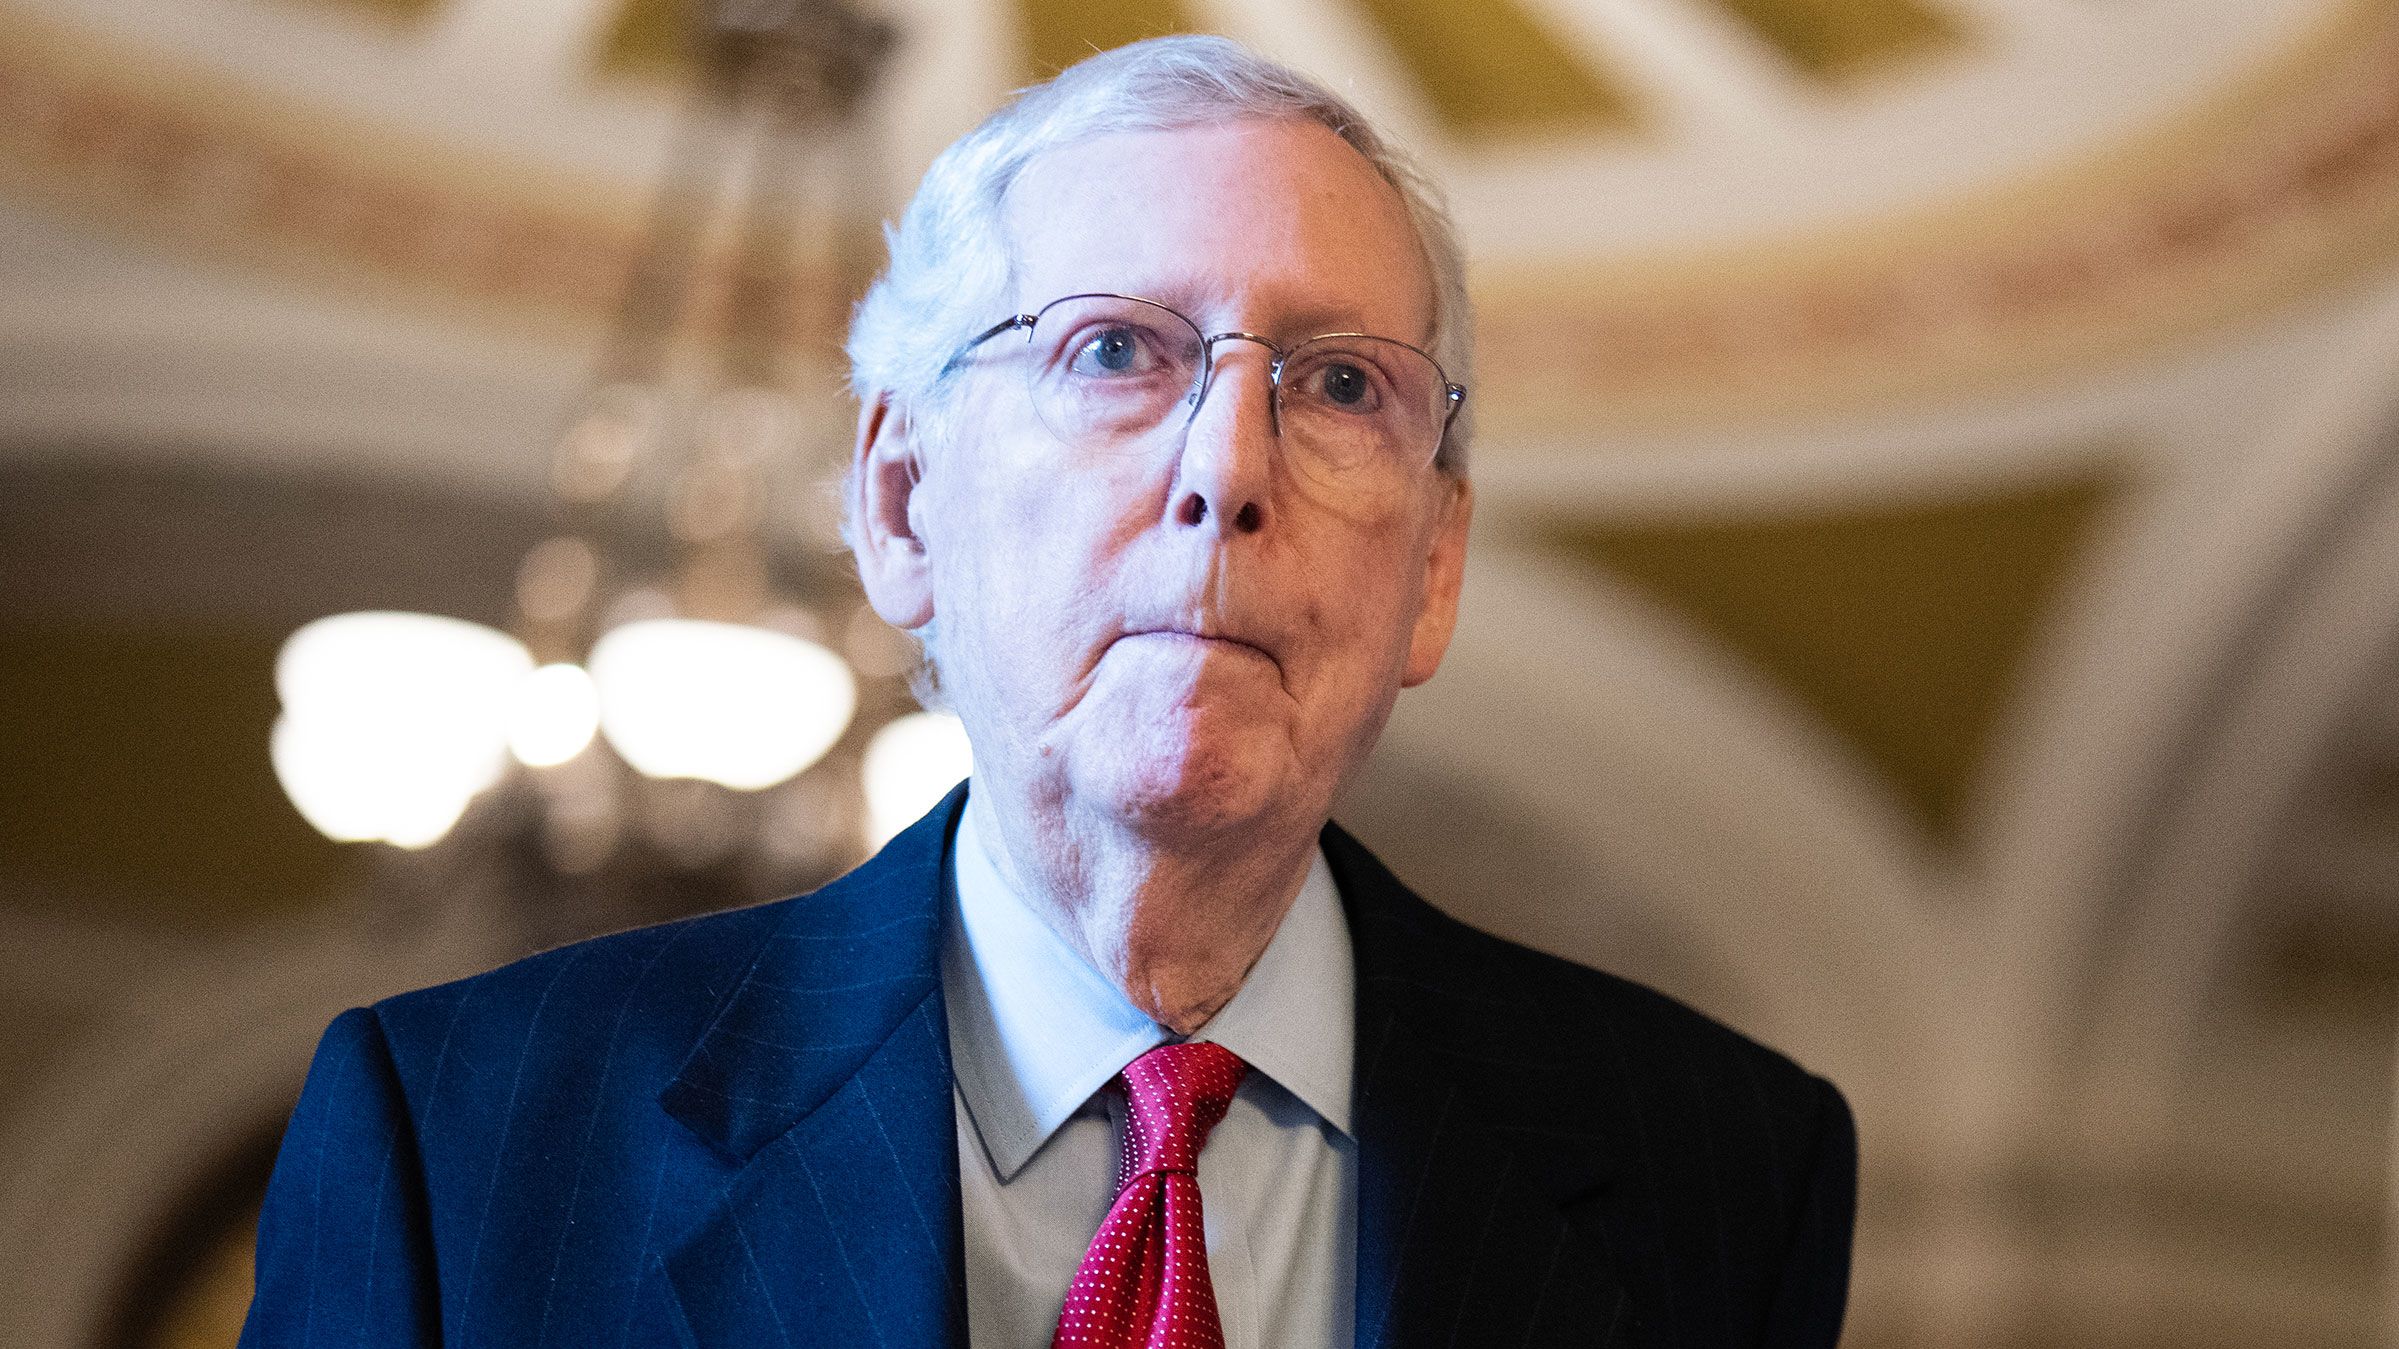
x=736 y=1132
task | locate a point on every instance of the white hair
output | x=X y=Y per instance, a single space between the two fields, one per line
x=950 y=266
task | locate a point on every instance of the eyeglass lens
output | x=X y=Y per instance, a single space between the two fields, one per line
x=1108 y=371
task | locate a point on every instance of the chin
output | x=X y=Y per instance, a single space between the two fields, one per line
x=1194 y=787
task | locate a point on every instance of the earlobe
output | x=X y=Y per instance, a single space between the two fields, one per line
x=887 y=531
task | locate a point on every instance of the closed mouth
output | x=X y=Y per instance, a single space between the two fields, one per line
x=1189 y=635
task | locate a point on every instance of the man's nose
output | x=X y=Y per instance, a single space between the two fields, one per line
x=1227 y=466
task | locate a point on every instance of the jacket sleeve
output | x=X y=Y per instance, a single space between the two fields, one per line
x=1814 y=1287
x=345 y=1253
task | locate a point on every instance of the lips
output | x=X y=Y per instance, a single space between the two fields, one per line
x=1203 y=635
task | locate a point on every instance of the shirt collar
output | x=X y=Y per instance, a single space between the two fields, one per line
x=1035 y=1030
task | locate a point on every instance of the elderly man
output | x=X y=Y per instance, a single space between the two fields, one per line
x=1161 y=454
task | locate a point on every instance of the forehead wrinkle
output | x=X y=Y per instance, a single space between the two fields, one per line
x=1275 y=283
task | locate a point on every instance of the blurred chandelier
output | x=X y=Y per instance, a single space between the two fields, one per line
x=667 y=710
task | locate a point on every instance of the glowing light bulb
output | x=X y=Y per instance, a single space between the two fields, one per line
x=909 y=765
x=392 y=722
x=554 y=714
x=743 y=706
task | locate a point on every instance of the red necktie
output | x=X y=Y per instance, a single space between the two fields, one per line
x=1144 y=1282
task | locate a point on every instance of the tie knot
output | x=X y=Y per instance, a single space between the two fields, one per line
x=1177 y=1095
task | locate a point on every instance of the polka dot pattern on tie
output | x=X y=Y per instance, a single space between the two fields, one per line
x=1144 y=1282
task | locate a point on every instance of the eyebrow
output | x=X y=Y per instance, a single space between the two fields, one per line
x=1297 y=325
x=1324 y=320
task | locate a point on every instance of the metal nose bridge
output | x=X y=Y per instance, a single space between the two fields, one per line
x=1274 y=376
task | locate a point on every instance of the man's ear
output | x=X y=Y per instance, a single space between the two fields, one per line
x=885 y=471
x=1444 y=575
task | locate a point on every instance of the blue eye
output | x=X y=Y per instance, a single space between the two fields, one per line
x=1338 y=381
x=1345 y=384
x=1116 y=351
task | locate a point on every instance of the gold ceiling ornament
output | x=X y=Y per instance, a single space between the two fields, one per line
x=1058 y=33
x=1499 y=73
x=2258 y=200
x=139 y=141
x=653 y=37
x=2286 y=182
x=649 y=38
x=1502 y=75
x=1903 y=629
x=1839 y=40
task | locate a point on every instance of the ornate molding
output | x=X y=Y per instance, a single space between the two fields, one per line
x=2274 y=191
x=2281 y=187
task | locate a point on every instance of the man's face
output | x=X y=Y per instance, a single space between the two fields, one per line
x=1198 y=636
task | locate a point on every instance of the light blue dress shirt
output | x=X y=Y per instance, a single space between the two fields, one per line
x=1036 y=1032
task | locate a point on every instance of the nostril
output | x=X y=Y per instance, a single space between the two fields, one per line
x=1246 y=519
x=1193 y=510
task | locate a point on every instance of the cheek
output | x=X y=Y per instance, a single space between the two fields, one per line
x=1363 y=595
x=1025 y=561
x=989 y=529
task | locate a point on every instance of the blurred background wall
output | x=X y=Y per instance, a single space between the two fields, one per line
x=1933 y=605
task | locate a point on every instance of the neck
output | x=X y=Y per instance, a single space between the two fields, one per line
x=1175 y=924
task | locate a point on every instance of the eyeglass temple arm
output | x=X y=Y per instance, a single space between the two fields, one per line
x=1012 y=321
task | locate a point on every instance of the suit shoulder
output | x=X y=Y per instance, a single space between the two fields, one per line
x=1561 y=1010
x=1728 y=1171
x=650 y=983
x=1592 y=1008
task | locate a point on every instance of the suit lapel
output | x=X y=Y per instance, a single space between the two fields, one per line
x=825 y=1082
x=1479 y=1216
